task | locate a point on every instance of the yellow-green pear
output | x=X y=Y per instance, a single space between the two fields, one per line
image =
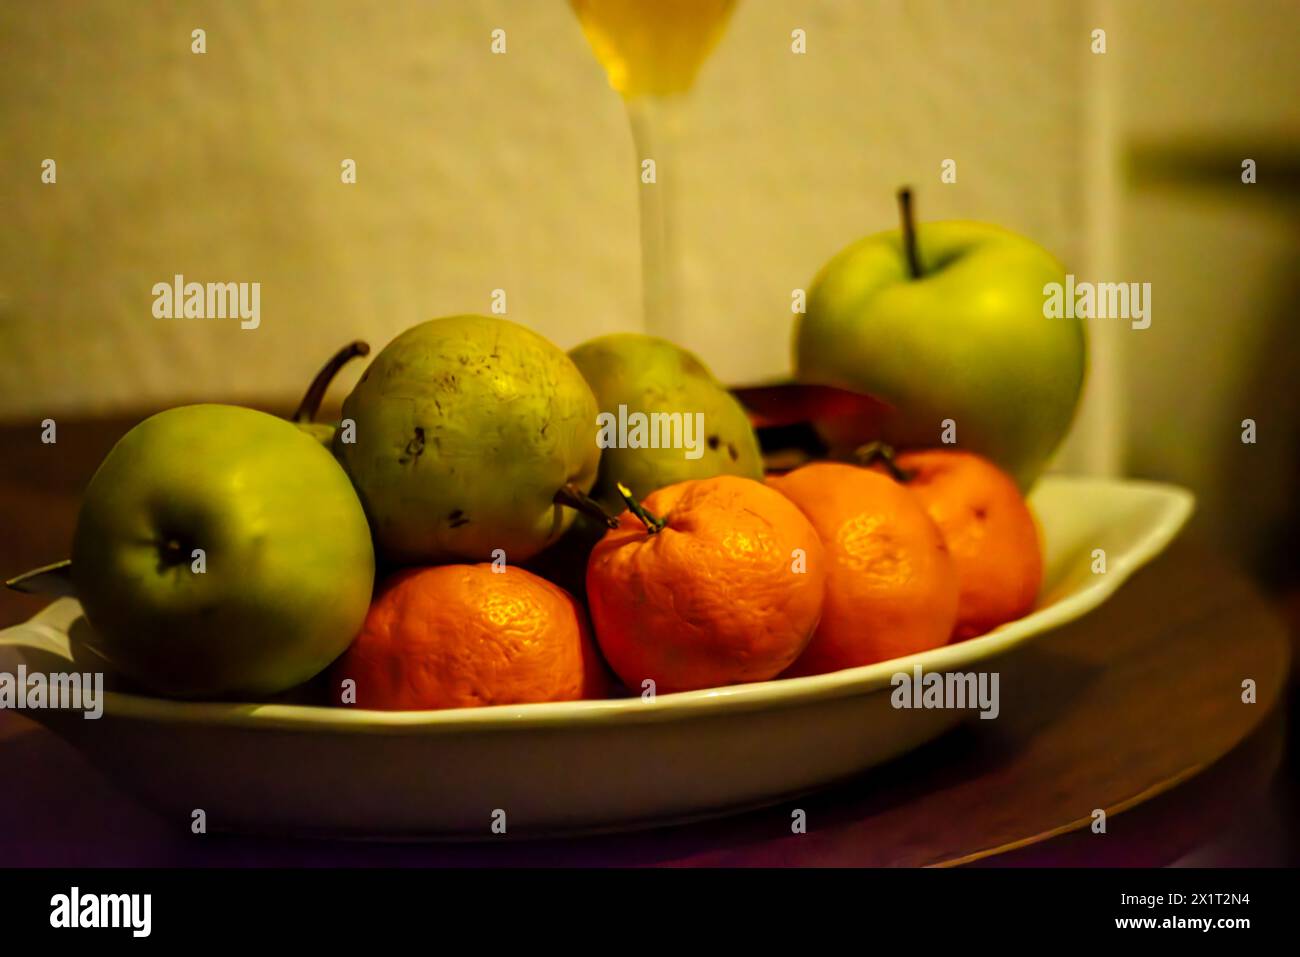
x=665 y=418
x=474 y=440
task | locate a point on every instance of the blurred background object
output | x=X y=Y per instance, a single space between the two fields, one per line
x=1205 y=87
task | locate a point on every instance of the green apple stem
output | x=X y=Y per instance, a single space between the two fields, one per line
x=653 y=524
x=575 y=498
x=311 y=400
x=909 y=231
x=873 y=452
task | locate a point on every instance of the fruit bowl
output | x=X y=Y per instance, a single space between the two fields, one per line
x=571 y=767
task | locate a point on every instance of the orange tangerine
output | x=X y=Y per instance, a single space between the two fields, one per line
x=727 y=589
x=459 y=636
x=990 y=531
x=891 y=587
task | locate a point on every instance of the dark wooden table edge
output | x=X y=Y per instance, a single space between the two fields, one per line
x=1200 y=796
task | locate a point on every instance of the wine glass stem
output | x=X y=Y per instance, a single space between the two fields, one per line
x=655 y=127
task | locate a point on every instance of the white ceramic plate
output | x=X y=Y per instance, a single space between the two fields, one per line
x=580 y=766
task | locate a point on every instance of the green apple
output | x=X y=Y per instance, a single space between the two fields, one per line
x=221 y=551
x=940 y=323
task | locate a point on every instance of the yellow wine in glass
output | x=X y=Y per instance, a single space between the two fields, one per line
x=652 y=47
x=651 y=50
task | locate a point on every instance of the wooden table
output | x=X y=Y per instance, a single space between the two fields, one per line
x=1136 y=710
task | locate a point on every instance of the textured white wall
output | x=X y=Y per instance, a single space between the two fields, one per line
x=476 y=172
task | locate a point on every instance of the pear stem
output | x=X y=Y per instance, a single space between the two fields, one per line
x=653 y=524
x=575 y=498
x=873 y=452
x=311 y=400
x=908 y=221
